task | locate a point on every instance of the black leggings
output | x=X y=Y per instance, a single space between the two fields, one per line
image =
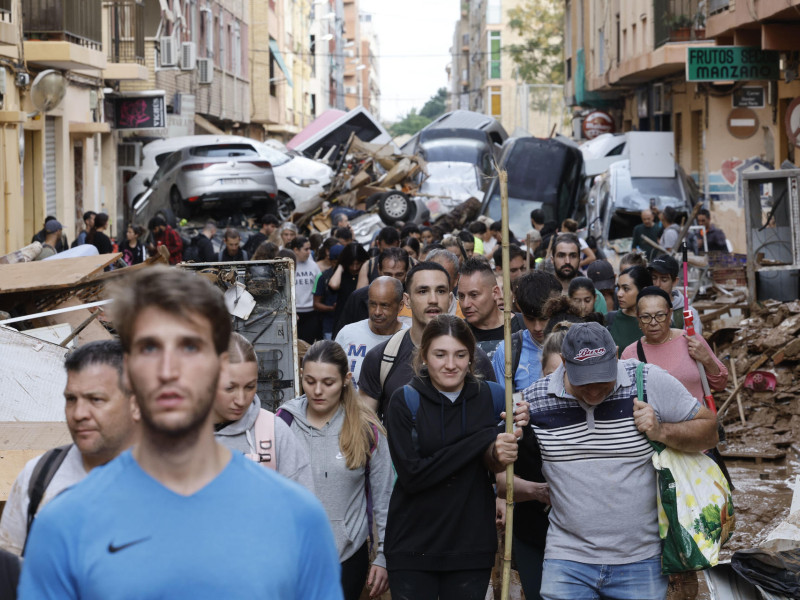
x=444 y=585
x=354 y=573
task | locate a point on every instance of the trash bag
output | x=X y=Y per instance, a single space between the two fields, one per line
x=775 y=572
x=695 y=507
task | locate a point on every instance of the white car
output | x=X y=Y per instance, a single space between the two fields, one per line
x=300 y=180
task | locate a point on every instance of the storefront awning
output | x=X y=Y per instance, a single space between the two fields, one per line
x=276 y=54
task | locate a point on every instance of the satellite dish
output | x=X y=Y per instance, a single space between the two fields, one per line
x=47 y=90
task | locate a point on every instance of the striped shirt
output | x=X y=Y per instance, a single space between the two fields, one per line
x=598 y=465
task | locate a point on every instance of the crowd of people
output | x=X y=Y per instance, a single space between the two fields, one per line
x=393 y=458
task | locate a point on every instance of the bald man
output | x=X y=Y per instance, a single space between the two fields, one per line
x=385 y=301
x=649 y=228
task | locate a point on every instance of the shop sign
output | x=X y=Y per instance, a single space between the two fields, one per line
x=731 y=63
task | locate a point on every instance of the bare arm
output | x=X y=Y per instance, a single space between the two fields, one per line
x=368 y=400
x=695 y=435
x=320 y=306
x=363 y=276
x=335 y=281
x=524 y=490
x=590 y=257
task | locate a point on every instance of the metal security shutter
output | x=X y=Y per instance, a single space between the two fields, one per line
x=50 y=165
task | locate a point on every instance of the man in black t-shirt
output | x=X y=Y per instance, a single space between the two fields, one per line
x=268 y=224
x=427 y=295
x=478 y=294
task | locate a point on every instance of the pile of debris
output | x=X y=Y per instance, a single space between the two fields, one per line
x=761 y=407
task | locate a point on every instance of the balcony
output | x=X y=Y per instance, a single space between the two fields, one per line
x=8 y=30
x=678 y=21
x=123 y=40
x=63 y=35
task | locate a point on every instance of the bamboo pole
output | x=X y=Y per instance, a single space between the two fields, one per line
x=503 y=179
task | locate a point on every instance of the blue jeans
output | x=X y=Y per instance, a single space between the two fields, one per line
x=529 y=566
x=568 y=580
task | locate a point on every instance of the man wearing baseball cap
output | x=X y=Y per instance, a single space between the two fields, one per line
x=664 y=270
x=603 y=538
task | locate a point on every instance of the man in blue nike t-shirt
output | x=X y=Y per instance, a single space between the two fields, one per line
x=179 y=516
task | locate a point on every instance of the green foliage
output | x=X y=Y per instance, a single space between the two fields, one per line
x=410 y=124
x=436 y=106
x=414 y=121
x=541 y=25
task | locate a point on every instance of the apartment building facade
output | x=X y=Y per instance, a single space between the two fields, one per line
x=484 y=78
x=629 y=58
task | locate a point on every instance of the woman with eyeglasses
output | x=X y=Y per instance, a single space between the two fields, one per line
x=671 y=349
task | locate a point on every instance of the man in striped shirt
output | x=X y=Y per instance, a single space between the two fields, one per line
x=592 y=431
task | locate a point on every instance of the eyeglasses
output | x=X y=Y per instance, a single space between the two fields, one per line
x=659 y=317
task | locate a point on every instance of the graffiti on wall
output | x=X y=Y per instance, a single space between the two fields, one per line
x=725 y=184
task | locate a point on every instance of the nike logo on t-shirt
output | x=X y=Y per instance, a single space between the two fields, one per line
x=113 y=549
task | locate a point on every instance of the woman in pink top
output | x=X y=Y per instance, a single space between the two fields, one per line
x=671 y=349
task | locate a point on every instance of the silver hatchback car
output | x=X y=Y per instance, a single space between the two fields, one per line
x=196 y=177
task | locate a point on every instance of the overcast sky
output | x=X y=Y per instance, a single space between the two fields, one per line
x=415 y=38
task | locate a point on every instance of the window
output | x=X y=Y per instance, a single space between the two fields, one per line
x=208 y=19
x=495 y=101
x=312 y=51
x=221 y=57
x=494 y=55
x=494 y=12
x=237 y=49
x=273 y=89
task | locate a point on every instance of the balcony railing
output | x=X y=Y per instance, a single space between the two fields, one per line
x=58 y=20
x=715 y=6
x=678 y=21
x=5 y=11
x=124 y=32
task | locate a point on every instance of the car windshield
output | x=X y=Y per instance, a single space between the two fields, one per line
x=223 y=150
x=273 y=155
x=455 y=150
x=637 y=192
x=519 y=210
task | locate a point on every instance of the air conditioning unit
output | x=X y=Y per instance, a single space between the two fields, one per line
x=350 y=89
x=659 y=99
x=167 y=51
x=188 y=56
x=205 y=70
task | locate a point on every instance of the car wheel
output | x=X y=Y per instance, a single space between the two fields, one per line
x=286 y=206
x=395 y=206
x=177 y=204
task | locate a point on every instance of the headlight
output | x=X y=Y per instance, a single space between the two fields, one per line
x=303 y=182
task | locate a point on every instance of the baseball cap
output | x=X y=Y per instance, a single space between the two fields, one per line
x=52 y=226
x=664 y=264
x=590 y=354
x=602 y=274
x=335 y=251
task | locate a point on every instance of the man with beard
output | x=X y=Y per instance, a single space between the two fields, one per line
x=387 y=366
x=178 y=493
x=566 y=259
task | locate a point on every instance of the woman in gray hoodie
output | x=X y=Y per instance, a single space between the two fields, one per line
x=236 y=410
x=350 y=460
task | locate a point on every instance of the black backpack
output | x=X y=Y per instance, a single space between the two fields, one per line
x=41 y=477
x=191 y=252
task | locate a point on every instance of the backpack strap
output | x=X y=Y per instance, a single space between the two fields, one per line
x=498 y=398
x=411 y=396
x=42 y=475
x=516 y=351
x=285 y=416
x=264 y=440
x=390 y=353
x=640 y=351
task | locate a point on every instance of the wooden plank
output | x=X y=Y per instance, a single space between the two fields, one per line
x=40 y=435
x=11 y=464
x=754 y=454
x=51 y=274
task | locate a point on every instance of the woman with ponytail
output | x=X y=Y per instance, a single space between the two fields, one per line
x=350 y=461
